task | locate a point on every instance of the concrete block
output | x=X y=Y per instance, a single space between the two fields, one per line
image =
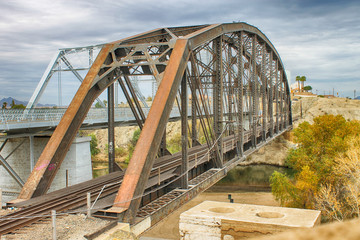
x=141 y=227
x=220 y=220
x=77 y=162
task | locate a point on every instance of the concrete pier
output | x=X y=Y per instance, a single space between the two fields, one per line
x=219 y=220
x=23 y=153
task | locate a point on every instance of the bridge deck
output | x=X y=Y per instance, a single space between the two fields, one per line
x=163 y=171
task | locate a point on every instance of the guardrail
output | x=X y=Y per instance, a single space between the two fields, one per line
x=12 y=119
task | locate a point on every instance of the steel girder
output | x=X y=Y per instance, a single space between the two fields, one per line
x=234 y=63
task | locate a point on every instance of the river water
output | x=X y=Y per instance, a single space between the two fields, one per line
x=248 y=179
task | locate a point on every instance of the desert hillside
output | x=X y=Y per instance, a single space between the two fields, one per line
x=315 y=106
x=275 y=152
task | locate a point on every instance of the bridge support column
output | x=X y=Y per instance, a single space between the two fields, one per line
x=194 y=134
x=240 y=91
x=271 y=97
x=139 y=121
x=184 y=135
x=7 y=166
x=32 y=159
x=281 y=100
x=254 y=109
x=17 y=154
x=218 y=99
x=277 y=89
x=129 y=195
x=111 y=135
x=263 y=94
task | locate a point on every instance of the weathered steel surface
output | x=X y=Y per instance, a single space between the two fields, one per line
x=165 y=54
x=184 y=135
x=138 y=171
x=111 y=129
x=55 y=151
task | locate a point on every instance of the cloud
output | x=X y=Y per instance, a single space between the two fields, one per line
x=318 y=39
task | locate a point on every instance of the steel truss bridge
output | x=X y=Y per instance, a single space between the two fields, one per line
x=231 y=78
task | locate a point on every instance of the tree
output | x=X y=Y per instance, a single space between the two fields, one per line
x=4 y=105
x=98 y=105
x=18 y=106
x=307 y=88
x=341 y=200
x=94 y=145
x=302 y=80
x=313 y=161
x=298 y=81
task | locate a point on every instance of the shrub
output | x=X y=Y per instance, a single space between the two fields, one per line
x=174 y=144
x=132 y=144
x=94 y=145
x=340 y=199
x=315 y=162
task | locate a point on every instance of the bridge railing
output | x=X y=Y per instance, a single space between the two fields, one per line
x=11 y=119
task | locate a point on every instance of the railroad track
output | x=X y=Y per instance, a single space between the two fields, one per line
x=164 y=169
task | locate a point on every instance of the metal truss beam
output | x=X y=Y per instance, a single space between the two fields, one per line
x=218 y=70
x=133 y=186
x=7 y=166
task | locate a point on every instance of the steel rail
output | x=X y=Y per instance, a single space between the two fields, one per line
x=75 y=196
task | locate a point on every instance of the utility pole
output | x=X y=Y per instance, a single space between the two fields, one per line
x=354 y=93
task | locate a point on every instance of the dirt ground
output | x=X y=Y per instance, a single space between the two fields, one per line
x=71 y=226
x=333 y=231
x=315 y=106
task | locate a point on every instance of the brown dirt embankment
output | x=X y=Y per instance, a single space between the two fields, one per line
x=275 y=152
x=316 y=106
x=332 y=231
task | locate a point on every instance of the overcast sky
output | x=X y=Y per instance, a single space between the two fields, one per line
x=318 y=39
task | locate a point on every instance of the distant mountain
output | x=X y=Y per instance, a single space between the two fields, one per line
x=358 y=98
x=17 y=102
x=9 y=101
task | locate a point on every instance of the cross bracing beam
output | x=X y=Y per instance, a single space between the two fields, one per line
x=7 y=166
x=231 y=69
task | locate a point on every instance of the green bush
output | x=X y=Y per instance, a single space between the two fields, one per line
x=94 y=145
x=174 y=144
x=132 y=144
x=120 y=151
x=314 y=160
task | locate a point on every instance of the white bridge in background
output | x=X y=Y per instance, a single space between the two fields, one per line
x=19 y=120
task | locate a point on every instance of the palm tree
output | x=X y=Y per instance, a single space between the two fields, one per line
x=298 y=80
x=4 y=105
x=302 y=79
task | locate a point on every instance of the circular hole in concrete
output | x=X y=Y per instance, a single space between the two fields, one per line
x=270 y=215
x=221 y=210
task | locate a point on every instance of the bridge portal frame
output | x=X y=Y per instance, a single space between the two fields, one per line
x=121 y=58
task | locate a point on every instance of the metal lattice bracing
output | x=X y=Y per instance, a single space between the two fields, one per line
x=238 y=88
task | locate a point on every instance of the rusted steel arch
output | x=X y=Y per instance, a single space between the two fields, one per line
x=163 y=53
x=132 y=188
x=103 y=72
